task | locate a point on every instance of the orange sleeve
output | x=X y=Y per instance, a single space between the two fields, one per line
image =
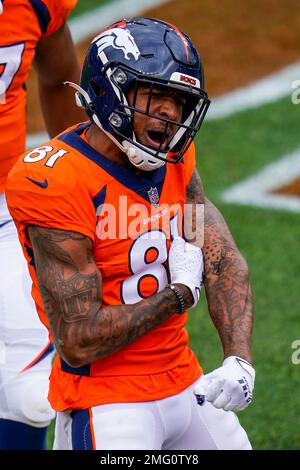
x=59 y=11
x=61 y=199
x=189 y=163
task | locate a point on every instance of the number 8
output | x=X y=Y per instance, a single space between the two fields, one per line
x=139 y=266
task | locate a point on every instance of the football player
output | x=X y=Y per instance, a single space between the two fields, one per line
x=28 y=30
x=116 y=305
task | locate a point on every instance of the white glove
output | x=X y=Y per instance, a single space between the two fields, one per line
x=229 y=387
x=186 y=266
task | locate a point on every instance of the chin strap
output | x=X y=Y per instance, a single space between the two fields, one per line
x=138 y=157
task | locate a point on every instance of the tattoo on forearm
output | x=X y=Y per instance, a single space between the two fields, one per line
x=71 y=289
x=226 y=278
x=76 y=295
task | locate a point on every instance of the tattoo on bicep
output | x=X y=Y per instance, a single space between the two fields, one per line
x=218 y=264
x=194 y=190
x=90 y=256
x=219 y=248
x=65 y=290
x=47 y=242
x=227 y=285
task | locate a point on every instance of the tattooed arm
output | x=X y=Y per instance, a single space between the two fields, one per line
x=226 y=282
x=71 y=287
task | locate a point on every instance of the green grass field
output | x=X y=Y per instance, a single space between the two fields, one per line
x=84 y=6
x=229 y=150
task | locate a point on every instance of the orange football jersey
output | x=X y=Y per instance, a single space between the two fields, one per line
x=67 y=185
x=22 y=24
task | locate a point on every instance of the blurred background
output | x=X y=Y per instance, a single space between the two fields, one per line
x=248 y=153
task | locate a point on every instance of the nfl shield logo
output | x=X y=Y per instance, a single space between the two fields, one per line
x=153 y=196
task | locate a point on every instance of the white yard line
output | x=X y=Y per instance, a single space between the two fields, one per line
x=266 y=90
x=256 y=190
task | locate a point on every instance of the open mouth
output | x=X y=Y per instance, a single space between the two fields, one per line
x=157 y=139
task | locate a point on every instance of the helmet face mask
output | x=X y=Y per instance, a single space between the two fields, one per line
x=194 y=110
x=118 y=61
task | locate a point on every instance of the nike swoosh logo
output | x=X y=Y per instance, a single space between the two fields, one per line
x=41 y=184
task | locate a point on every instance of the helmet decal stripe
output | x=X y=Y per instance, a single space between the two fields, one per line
x=103 y=57
x=182 y=39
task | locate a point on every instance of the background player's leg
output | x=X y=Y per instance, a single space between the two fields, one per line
x=24 y=409
x=20 y=436
x=23 y=396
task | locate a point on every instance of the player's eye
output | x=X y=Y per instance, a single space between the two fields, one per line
x=181 y=100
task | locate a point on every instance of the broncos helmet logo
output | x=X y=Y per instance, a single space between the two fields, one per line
x=118 y=38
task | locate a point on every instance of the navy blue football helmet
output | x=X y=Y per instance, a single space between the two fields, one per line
x=143 y=52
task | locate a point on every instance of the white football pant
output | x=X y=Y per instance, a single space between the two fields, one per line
x=25 y=351
x=173 y=423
